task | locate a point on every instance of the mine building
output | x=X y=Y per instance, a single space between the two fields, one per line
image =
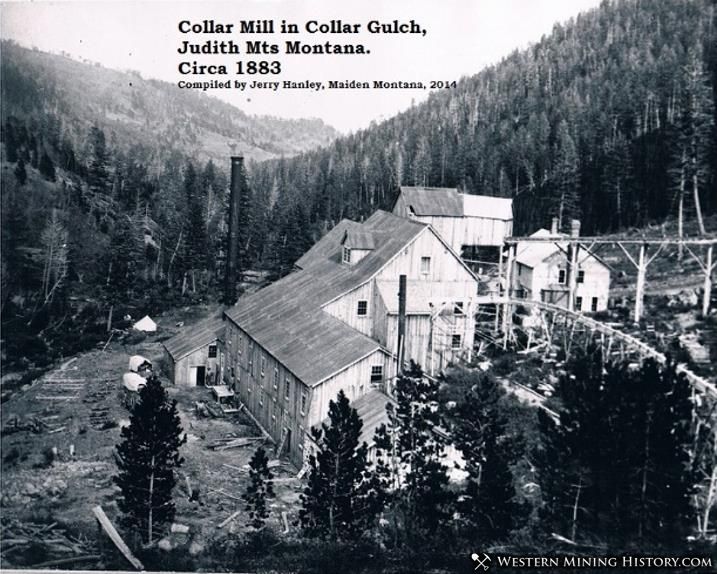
x=541 y=272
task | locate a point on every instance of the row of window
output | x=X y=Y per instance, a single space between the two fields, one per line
x=579 y=304
x=362 y=308
x=563 y=275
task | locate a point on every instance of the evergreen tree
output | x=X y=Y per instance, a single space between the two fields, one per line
x=481 y=434
x=617 y=466
x=196 y=243
x=10 y=141
x=259 y=490
x=46 y=167
x=20 y=172
x=341 y=499
x=147 y=461
x=98 y=175
x=409 y=449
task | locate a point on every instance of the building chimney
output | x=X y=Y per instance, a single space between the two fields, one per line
x=401 y=320
x=554 y=226
x=575 y=228
x=238 y=181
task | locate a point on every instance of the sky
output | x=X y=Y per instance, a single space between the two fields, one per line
x=462 y=37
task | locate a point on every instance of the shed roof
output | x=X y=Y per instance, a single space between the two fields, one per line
x=418 y=297
x=371 y=409
x=195 y=337
x=287 y=319
x=448 y=202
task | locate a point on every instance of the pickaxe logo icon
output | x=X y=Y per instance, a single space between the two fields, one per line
x=483 y=562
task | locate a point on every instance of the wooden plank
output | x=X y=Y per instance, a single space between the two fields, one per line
x=115 y=537
x=227 y=520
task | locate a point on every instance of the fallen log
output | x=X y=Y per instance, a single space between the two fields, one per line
x=226 y=521
x=63 y=561
x=111 y=531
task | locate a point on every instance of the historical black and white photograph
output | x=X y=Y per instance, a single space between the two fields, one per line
x=307 y=286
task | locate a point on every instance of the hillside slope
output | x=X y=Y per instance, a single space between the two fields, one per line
x=602 y=120
x=150 y=113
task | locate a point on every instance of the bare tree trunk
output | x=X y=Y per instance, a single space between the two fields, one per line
x=151 y=504
x=576 y=507
x=109 y=318
x=680 y=216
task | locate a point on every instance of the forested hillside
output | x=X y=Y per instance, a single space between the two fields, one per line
x=112 y=204
x=608 y=119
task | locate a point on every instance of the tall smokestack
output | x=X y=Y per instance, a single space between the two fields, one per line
x=401 y=320
x=554 y=226
x=575 y=228
x=238 y=181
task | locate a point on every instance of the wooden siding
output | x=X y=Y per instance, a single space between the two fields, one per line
x=345 y=308
x=468 y=231
x=262 y=393
x=355 y=382
x=200 y=358
x=545 y=276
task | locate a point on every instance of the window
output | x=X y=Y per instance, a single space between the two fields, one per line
x=231 y=370
x=581 y=276
x=287 y=388
x=263 y=365
x=212 y=351
x=458 y=308
x=376 y=374
x=347 y=255
x=455 y=341
x=425 y=265
x=561 y=276
x=304 y=399
x=362 y=308
x=276 y=378
x=239 y=343
x=578 y=303
x=594 y=304
x=302 y=437
x=261 y=397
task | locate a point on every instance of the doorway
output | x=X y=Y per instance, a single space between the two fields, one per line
x=201 y=376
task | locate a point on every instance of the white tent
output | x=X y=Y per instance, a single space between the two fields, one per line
x=133 y=382
x=138 y=362
x=145 y=324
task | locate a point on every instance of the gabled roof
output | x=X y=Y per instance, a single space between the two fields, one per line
x=533 y=254
x=358 y=238
x=195 y=337
x=448 y=202
x=444 y=201
x=286 y=318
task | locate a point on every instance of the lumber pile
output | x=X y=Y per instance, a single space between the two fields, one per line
x=50 y=541
x=14 y=423
x=228 y=442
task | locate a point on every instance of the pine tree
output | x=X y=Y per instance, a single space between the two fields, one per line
x=98 y=175
x=341 y=499
x=46 y=167
x=147 y=461
x=196 y=243
x=481 y=434
x=20 y=172
x=259 y=490
x=409 y=450
x=617 y=468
